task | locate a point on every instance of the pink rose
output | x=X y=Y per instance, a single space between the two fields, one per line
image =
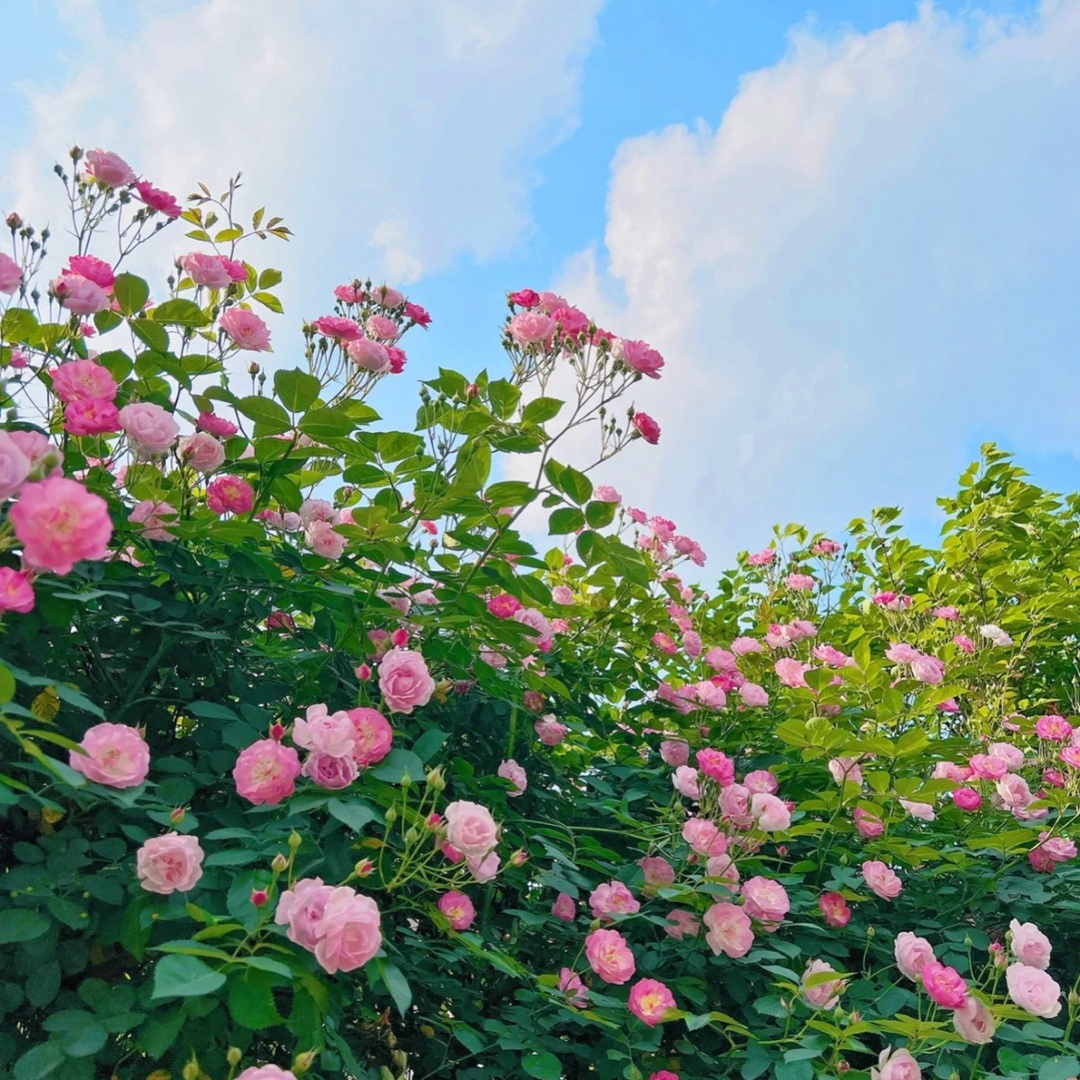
x=735 y=805
x=386 y=297
x=381 y=328
x=78 y=379
x=1054 y=728
x=612 y=898
x=369 y=355
x=302 y=908
x=704 y=837
x=646 y=427
x=818 y=994
x=44 y=457
x=324 y=540
x=685 y=780
x=266 y=772
x=108 y=169
x=504 y=606
x=246 y=330
x=230 y=494
x=988 y=766
x=800 y=582
x=404 y=681
x=944 y=985
x=525 y=298
x=564 y=908
x=881 y=880
x=201 y=452
x=115 y=755
x=11 y=274
x=974 y=1022
x=1033 y=990
x=16 y=592
x=153 y=517
x=691 y=643
x=59 y=523
x=928 y=669
x=766 y=900
x=266 y=1072
x=158 y=200
x=458 y=909
x=170 y=863
x=765 y=557
x=921 y=810
x=415 y=313
x=716 y=765
x=1030 y=945
x=573 y=989
x=682 y=924
x=729 y=930
x=835 y=909
x=968 y=799
x=80 y=295
x=791 y=672
x=562 y=594
x=512 y=771
x=649 y=1000
x=372 y=736
x=638 y=356
x=206 y=270
x=770 y=813
x=549 y=731
x=609 y=956
x=753 y=695
x=91 y=416
x=14 y=466
x=471 y=829
x=744 y=646
x=902 y=653
x=329 y=771
x=350 y=934
x=996 y=635
x=868 y=824
x=325 y=732
x=151 y=429
x=213 y=424
x=896 y=1065
x=674 y=752
x=606 y=493
x=531 y=327
x=912 y=953
x=657 y=870
x=761 y=781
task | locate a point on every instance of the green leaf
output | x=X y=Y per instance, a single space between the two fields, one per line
x=510 y=493
x=22 y=925
x=227 y=236
x=542 y=1065
x=269 y=278
x=1059 y=1068
x=131 y=293
x=151 y=334
x=296 y=389
x=504 y=397
x=353 y=814
x=17 y=323
x=180 y=975
x=566 y=519
x=251 y=1000
x=326 y=424
x=107 y=320
x=590 y=547
x=599 y=514
x=575 y=484
x=269 y=300
x=271 y=418
x=429 y=743
x=39 y=1062
x=471 y=469
x=396 y=984
x=7 y=685
x=396 y=764
x=541 y=409
x=181 y=313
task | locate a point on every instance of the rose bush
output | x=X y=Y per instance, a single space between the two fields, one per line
x=317 y=764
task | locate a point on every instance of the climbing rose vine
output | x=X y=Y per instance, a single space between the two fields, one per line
x=318 y=763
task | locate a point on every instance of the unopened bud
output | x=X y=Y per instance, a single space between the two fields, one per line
x=406 y=779
x=519 y=858
x=363 y=672
x=391 y=816
x=472 y=390
x=259 y=897
x=295 y=839
x=279 y=864
x=427 y=1031
x=400 y=637
x=14 y=221
x=400 y=1060
x=234 y=1055
x=412 y=835
x=1073 y=997
x=870 y=931
x=843 y=1067
x=253 y=368
x=76 y=153
x=436 y=779
x=191 y=1070
x=303 y=1062
x=177 y=815
x=277 y=731
x=364 y=868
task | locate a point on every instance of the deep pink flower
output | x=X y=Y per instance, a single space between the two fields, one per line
x=716 y=765
x=230 y=494
x=458 y=909
x=638 y=356
x=944 y=985
x=609 y=956
x=649 y=1000
x=158 y=200
x=646 y=427
x=835 y=909
x=16 y=592
x=526 y=298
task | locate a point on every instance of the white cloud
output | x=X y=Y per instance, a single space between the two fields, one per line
x=872 y=259
x=394 y=135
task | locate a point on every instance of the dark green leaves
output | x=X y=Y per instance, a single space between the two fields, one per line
x=179 y=975
x=296 y=389
x=326 y=424
x=131 y=293
x=270 y=418
x=180 y=313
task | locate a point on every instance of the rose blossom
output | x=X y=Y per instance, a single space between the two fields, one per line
x=16 y=592
x=704 y=837
x=646 y=427
x=657 y=871
x=735 y=805
x=996 y=635
x=325 y=732
x=108 y=169
x=729 y=930
x=761 y=781
x=369 y=355
x=91 y=416
x=246 y=330
x=158 y=200
x=206 y=270
x=967 y=799
x=230 y=494
x=685 y=780
x=14 y=466
x=266 y=772
x=302 y=908
x=470 y=829
x=170 y=863
x=404 y=680
x=512 y=771
x=988 y=766
x=213 y=424
x=564 y=908
x=639 y=356
x=1033 y=990
x=531 y=327
x=549 y=731
x=868 y=824
x=201 y=452
x=822 y=995
x=674 y=752
x=974 y=1022
x=912 y=953
x=372 y=736
x=881 y=879
x=59 y=523
x=835 y=909
x=151 y=429
x=609 y=956
x=350 y=934
x=1030 y=945
x=115 y=755
x=682 y=924
x=458 y=909
x=649 y=1000
x=329 y=771
x=1053 y=728
x=267 y=1072
x=944 y=985
x=766 y=900
x=896 y=1065
x=80 y=295
x=612 y=898
x=78 y=379
x=716 y=765
x=44 y=457
x=928 y=669
x=11 y=274
x=153 y=516
x=770 y=813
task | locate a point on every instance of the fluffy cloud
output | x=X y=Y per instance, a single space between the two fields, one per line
x=869 y=263
x=394 y=135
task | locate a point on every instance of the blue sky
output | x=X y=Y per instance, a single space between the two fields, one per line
x=852 y=226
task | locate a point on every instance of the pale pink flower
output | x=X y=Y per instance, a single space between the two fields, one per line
x=761 y=781
x=350 y=933
x=325 y=732
x=753 y=695
x=151 y=429
x=928 y=669
x=80 y=295
x=657 y=871
x=14 y=466
x=381 y=328
x=612 y=898
x=691 y=643
x=11 y=274
x=549 y=731
x=1053 y=728
x=846 y=771
x=800 y=582
x=821 y=995
x=765 y=557
x=902 y=653
x=59 y=523
x=206 y=270
x=988 y=766
x=246 y=330
x=896 y=1064
x=686 y=782
x=996 y=635
x=912 y=953
x=369 y=355
x=266 y=772
x=324 y=540
x=1030 y=945
x=512 y=771
x=338 y=327
x=108 y=169
x=372 y=736
x=564 y=908
x=404 y=680
x=704 y=837
x=470 y=829
x=114 y=755
x=974 y=1022
x=791 y=672
x=735 y=805
x=301 y=908
x=329 y=771
x=1013 y=756
x=387 y=297
x=674 y=752
x=834 y=908
x=868 y=824
x=921 y=810
x=562 y=594
x=682 y=924
x=458 y=909
x=609 y=956
x=606 y=493
x=202 y=452
x=649 y=1000
x=729 y=930
x=153 y=517
x=770 y=813
x=531 y=328
x=168 y=864
x=744 y=646
x=44 y=457
x=882 y=880
x=766 y=900
x=1033 y=990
